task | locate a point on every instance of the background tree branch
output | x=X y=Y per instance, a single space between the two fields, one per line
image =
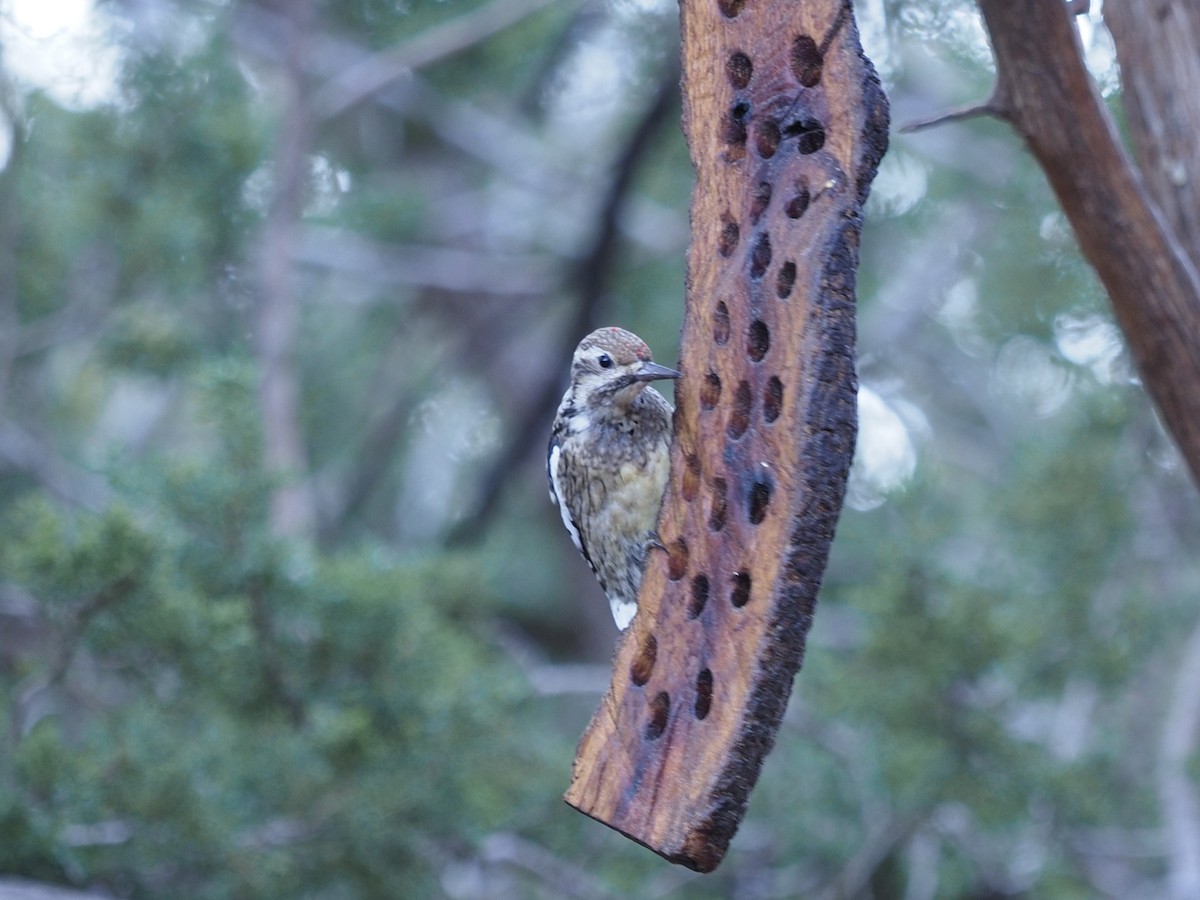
x=293 y=510
x=1044 y=90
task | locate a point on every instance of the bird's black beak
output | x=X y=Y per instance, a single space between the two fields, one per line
x=653 y=372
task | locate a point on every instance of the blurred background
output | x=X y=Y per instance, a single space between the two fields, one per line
x=287 y=295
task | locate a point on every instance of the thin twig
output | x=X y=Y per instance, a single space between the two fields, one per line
x=64 y=653
x=989 y=107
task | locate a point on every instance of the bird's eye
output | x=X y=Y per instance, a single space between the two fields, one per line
x=605 y=361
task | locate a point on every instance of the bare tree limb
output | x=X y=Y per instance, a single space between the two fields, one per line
x=22 y=450
x=370 y=75
x=1047 y=95
x=1176 y=791
x=67 y=644
x=444 y=268
x=293 y=510
x=881 y=842
x=562 y=877
x=10 y=230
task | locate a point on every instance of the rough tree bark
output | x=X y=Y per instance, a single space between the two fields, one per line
x=1043 y=89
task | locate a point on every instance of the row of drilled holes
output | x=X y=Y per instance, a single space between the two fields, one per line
x=660 y=705
x=758 y=344
x=743 y=401
x=807 y=62
x=760 y=255
x=806 y=59
x=769 y=133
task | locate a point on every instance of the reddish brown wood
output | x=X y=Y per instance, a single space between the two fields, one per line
x=786 y=123
x=1044 y=90
x=1158 y=46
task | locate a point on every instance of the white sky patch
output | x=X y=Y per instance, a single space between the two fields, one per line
x=873 y=32
x=592 y=87
x=900 y=185
x=1032 y=374
x=1093 y=342
x=885 y=456
x=6 y=137
x=1099 y=53
x=328 y=183
x=959 y=313
x=64 y=47
x=958 y=26
x=450 y=431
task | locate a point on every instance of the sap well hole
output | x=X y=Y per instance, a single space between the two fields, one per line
x=704 y=689
x=730 y=9
x=760 y=499
x=710 y=391
x=759 y=201
x=739 y=420
x=677 y=559
x=786 y=280
x=809 y=134
x=730 y=233
x=758 y=342
x=796 y=207
x=807 y=60
x=760 y=256
x=773 y=399
x=767 y=138
x=699 y=595
x=721 y=324
x=660 y=710
x=691 y=477
x=740 y=595
x=740 y=69
x=643 y=664
x=716 y=516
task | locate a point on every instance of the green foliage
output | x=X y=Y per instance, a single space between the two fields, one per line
x=194 y=705
x=269 y=724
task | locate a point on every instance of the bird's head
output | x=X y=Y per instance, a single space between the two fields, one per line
x=610 y=368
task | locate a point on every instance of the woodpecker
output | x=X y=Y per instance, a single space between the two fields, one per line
x=609 y=458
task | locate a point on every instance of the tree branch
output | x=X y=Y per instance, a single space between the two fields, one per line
x=1153 y=285
x=1177 y=794
x=370 y=75
x=293 y=510
x=66 y=646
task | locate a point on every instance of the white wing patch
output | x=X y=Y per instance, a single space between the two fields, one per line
x=556 y=495
x=623 y=611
